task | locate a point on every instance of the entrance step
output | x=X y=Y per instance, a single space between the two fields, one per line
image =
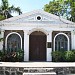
x=39 y=71
x=52 y=73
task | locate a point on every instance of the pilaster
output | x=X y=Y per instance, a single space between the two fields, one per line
x=73 y=39
x=1 y=41
x=26 y=46
x=49 y=49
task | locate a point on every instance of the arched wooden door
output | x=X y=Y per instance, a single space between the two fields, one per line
x=37 y=46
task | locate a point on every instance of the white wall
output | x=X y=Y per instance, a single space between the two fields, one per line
x=48 y=29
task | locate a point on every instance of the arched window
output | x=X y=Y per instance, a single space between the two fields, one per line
x=61 y=42
x=13 y=43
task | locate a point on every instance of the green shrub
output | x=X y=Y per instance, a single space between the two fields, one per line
x=70 y=56
x=63 y=56
x=2 y=17
x=12 y=56
x=20 y=55
x=1 y=55
x=58 y=56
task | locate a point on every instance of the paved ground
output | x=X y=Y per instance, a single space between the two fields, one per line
x=37 y=64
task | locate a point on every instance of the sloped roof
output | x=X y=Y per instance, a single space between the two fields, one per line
x=31 y=17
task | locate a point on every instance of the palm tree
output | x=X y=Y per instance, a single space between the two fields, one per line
x=6 y=10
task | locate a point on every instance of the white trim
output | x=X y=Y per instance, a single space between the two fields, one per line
x=9 y=35
x=66 y=37
x=38 y=29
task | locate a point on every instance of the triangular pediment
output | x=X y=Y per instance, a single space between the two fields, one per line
x=37 y=16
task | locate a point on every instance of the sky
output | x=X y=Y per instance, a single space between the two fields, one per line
x=28 y=5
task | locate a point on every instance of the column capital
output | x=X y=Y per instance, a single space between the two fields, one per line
x=2 y=33
x=73 y=31
x=25 y=31
x=50 y=31
x=2 y=30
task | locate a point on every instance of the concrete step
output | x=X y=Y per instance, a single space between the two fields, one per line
x=52 y=73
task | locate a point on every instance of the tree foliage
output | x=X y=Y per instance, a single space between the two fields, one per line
x=6 y=10
x=53 y=7
x=65 y=8
x=2 y=17
x=72 y=3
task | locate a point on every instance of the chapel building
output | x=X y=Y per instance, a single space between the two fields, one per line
x=37 y=33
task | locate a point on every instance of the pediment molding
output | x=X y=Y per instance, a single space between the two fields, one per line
x=31 y=17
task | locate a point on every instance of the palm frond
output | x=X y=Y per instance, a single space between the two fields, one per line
x=6 y=10
x=18 y=10
x=15 y=9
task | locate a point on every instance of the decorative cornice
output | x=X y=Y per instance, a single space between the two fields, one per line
x=38 y=25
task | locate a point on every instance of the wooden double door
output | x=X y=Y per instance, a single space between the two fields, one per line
x=37 y=46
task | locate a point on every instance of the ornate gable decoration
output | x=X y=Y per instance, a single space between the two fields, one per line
x=37 y=16
x=33 y=16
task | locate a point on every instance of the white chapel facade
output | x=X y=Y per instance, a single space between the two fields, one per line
x=38 y=33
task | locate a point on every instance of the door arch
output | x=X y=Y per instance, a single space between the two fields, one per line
x=37 y=46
